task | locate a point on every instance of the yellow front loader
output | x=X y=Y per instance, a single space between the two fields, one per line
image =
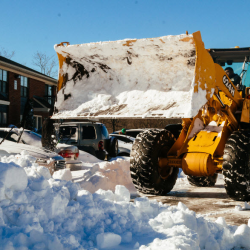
x=214 y=136
x=216 y=140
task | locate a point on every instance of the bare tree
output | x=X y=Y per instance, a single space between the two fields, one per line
x=5 y=53
x=45 y=63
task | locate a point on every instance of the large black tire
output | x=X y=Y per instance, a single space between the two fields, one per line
x=202 y=181
x=113 y=147
x=147 y=148
x=175 y=129
x=236 y=167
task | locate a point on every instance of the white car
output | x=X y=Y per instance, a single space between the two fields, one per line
x=69 y=152
x=125 y=144
x=44 y=157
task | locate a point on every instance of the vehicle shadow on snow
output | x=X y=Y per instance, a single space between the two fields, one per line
x=202 y=195
x=218 y=191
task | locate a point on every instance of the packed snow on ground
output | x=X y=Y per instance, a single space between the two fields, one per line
x=143 y=78
x=41 y=212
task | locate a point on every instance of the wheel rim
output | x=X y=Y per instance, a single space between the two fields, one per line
x=166 y=171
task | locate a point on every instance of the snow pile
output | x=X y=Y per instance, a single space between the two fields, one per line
x=87 y=158
x=105 y=175
x=130 y=78
x=63 y=174
x=39 y=212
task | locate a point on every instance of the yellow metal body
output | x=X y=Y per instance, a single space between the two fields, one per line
x=61 y=59
x=201 y=143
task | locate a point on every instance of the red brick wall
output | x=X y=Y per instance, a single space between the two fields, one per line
x=35 y=88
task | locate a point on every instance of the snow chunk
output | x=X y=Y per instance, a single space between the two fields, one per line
x=63 y=174
x=107 y=240
x=12 y=177
x=122 y=193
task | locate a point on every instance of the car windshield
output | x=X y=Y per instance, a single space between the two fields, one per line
x=124 y=138
x=11 y=136
x=31 y=138
x=33 y=133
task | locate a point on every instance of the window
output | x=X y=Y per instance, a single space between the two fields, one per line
x=24 y=86
x=105 y=133
x=88 y=133
x=3 y=82
x=49 y=94
x=68 y=132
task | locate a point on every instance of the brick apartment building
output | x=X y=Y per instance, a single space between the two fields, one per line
x=18 y=84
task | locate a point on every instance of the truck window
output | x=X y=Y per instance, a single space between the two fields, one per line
x=68 y=132
x=88 y=133
x=105 y=133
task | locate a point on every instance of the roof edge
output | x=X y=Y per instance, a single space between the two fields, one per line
x=28 y=73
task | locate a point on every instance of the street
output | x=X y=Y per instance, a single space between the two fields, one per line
x=211 y=202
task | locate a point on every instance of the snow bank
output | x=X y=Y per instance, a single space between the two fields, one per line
x=44 y=213
x=87 y=158
x=137 y=78
x=105 y=175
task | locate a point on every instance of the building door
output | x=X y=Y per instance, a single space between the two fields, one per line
x=37 y=121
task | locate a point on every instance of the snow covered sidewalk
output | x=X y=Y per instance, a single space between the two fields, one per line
x=40 y=212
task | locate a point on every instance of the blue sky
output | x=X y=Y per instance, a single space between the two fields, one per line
x=28 y=26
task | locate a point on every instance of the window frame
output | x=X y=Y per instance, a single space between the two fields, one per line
x=49 y=95
x=4 y=86
x=23 y=82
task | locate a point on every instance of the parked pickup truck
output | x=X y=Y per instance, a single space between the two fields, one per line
x=91 y=137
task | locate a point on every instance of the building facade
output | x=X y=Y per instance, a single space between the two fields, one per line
x=19 y=84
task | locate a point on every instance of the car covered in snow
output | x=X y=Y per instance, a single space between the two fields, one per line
x=46 y=158
x=88 y=136
x=69 y=152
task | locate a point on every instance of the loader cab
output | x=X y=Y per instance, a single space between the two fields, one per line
x=236 y=58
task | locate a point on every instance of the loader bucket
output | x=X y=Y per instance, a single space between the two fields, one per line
x=164 y=77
